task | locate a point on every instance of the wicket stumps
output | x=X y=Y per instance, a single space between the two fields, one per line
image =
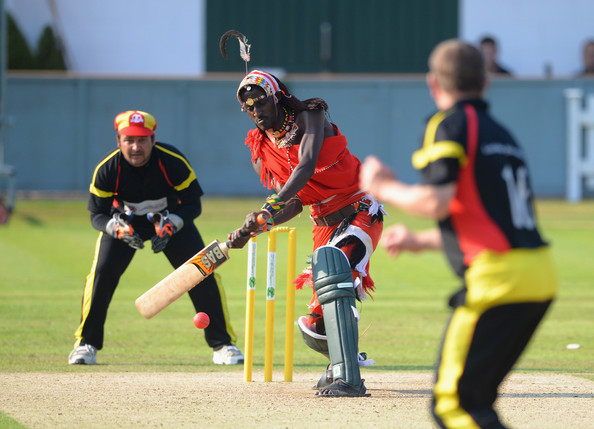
x=270 y=304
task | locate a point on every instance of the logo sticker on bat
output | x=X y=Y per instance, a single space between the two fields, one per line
x=209 y=259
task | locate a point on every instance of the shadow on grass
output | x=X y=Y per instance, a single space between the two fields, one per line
x=31 y=220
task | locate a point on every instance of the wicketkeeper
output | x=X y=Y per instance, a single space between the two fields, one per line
x=146 y=191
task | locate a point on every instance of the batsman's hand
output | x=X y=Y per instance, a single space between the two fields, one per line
x=166 y=225
x=238 y=238
x=265 y=227
x=255 y=223
x=119 y=228
x=258 y=222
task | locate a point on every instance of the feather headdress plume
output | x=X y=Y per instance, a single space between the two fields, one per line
x=244 y=47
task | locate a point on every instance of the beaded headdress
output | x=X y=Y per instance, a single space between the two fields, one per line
x=260 y=79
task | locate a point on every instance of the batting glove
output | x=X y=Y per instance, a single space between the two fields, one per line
x=119 y=228
x=165 y=226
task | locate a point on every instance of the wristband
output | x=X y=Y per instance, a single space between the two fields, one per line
x=274 y=204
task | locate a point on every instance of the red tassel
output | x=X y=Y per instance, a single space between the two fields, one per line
x=306 y=278
x=368 y=285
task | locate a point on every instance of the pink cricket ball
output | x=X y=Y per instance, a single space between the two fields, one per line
x=201 y=320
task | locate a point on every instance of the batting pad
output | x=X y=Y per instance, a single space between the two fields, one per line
x=314 y=341
x=333 y=282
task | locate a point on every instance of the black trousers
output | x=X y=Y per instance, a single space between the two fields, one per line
x=113 y=256
x=480 y=351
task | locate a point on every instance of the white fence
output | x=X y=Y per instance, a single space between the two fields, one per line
x=580 y=143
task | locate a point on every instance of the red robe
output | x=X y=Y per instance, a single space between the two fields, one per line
x=336 y=173
x=334 y=185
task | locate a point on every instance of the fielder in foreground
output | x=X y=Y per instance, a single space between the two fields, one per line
x=476 y=185
x=145 y=190
x=300 y=155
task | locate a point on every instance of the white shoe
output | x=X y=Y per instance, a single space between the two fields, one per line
x=227 y=355
x=83 y=355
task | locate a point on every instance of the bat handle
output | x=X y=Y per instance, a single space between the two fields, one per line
x=263 y=217
x=261 y=220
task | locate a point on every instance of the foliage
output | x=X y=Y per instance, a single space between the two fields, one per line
x=19 y=53
x=48 y=55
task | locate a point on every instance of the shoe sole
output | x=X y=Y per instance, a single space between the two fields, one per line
x=230 y=363
x=343 y=391
x=81 y=362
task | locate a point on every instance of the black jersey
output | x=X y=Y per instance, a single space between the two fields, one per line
x=167 y=181
x=493 y=207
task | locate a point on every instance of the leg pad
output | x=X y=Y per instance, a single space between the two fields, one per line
x=333 y=282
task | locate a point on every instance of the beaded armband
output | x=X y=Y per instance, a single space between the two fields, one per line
x=274 y=204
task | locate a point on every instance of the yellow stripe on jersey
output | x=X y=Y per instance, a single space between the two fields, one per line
x=192 y=175
x=92 y=188
x=443 y=149
x=432 y=150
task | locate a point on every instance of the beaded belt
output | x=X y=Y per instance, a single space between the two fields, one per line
x=334 y=218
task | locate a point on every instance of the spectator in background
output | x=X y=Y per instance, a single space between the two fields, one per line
x=588 y=58
x=488 y=47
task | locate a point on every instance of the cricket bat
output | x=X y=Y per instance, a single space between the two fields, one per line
x=186 y=276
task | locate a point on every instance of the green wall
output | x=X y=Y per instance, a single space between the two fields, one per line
x=63 y=126
x=379 y=36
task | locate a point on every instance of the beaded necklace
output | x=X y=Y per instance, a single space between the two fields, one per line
x=286 y=126
x=288 y=131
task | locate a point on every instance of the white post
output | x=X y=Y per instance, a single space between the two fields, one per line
x=588 y=158
x=574 y=177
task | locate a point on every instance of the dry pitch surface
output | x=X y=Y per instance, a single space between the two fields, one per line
x=217 y=400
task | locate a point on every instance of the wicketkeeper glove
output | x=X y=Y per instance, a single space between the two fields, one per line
x=166 y=225
x=118 y=227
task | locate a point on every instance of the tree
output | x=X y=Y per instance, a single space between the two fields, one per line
x=49 y=54
x=19 y=53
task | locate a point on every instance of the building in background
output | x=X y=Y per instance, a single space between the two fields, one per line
x=179 y=38
x=158 y=55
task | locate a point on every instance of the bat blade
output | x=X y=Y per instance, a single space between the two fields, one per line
x=184 y=278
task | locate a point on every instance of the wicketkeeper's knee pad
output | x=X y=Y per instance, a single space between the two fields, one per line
x=333 y=282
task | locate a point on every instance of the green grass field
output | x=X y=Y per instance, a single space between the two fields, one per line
x=47 y=247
